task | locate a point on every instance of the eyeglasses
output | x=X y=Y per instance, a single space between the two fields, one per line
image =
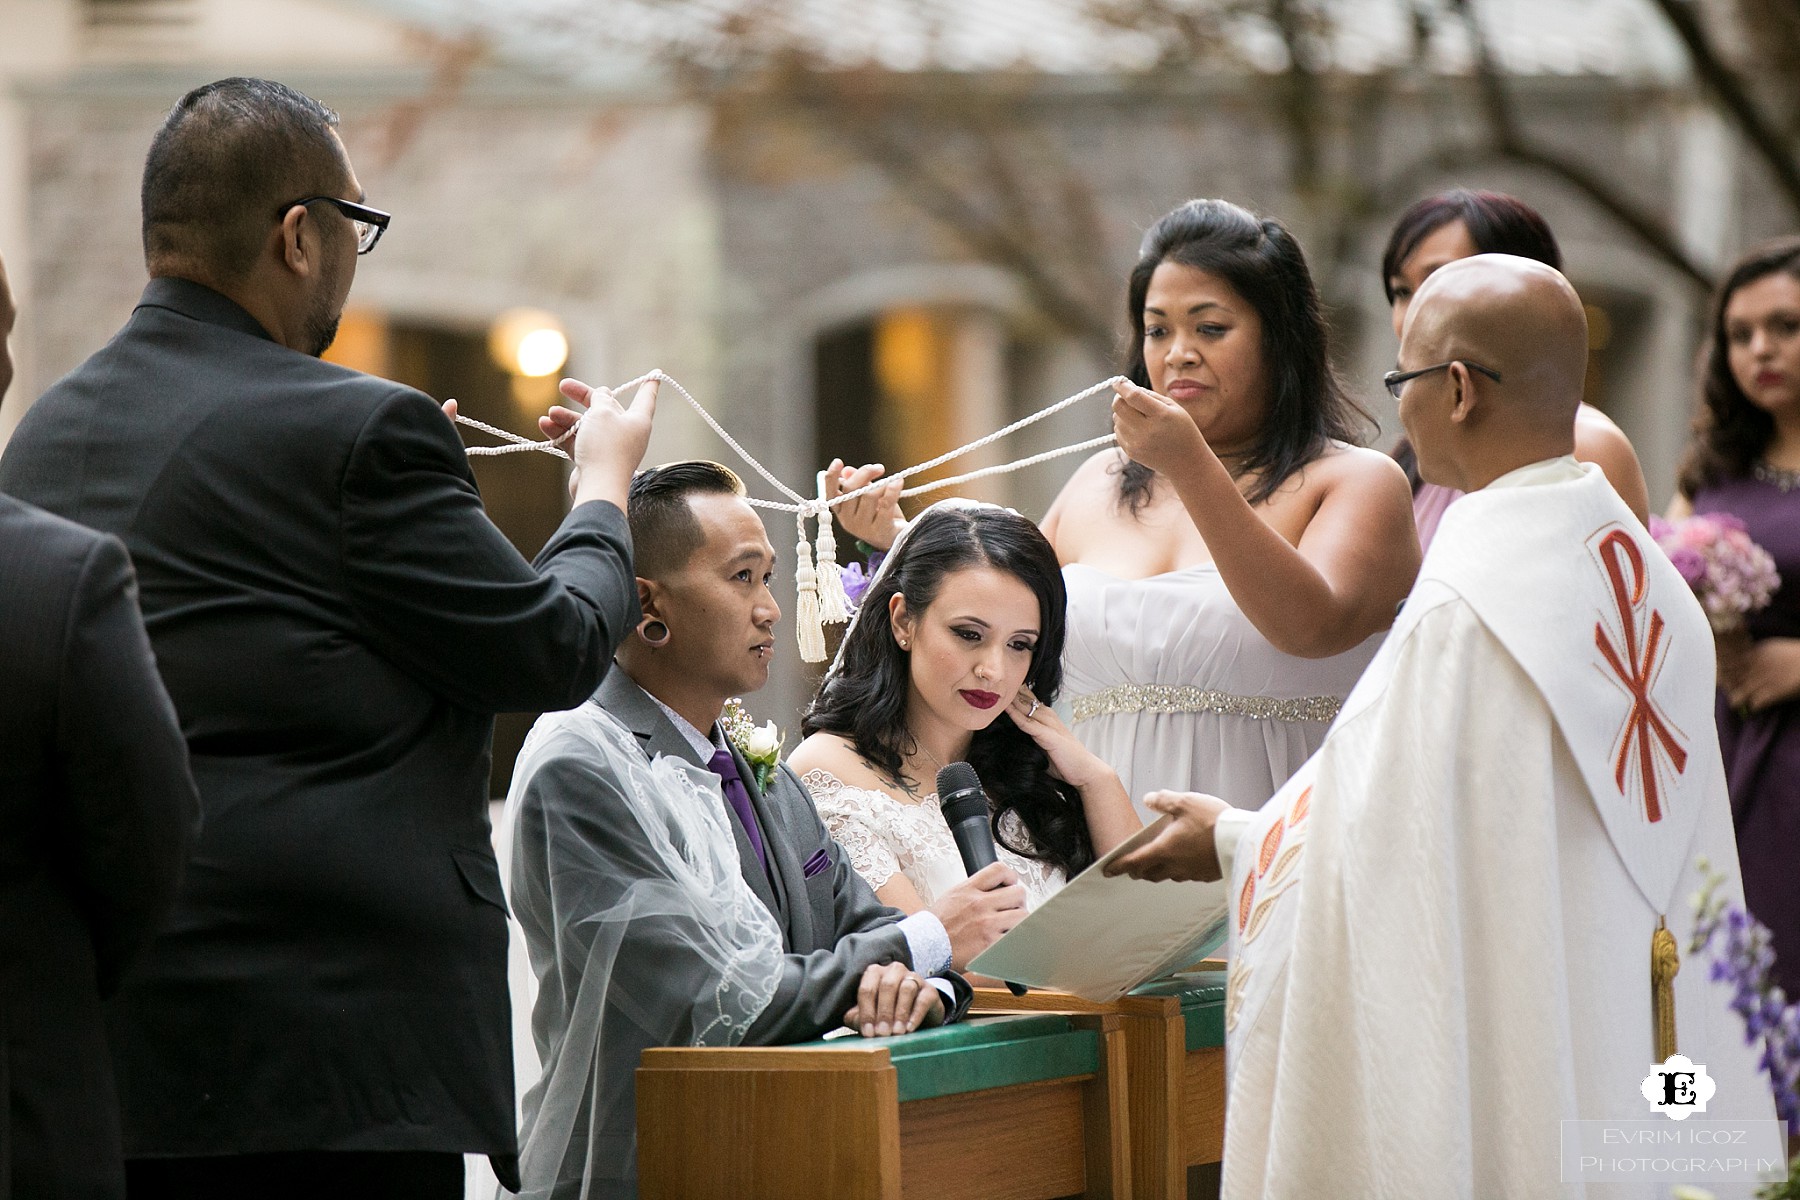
x=1396 y=380
x=370 y=223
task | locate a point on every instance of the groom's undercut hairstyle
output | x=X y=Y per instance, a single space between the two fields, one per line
x=664 y=530
x=227 y=157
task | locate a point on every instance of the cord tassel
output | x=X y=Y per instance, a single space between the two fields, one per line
x=808 y=629
x=834 y=605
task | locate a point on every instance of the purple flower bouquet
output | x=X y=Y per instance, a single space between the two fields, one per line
x=1731 y=575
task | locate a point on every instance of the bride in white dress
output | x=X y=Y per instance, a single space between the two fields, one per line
x=1232 y=567
x=954 y=656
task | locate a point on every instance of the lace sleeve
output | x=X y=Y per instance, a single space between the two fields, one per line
x=849 y=813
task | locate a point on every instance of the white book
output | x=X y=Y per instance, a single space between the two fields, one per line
x=1099 y=938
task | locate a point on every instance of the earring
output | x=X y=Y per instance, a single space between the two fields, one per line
x=649 y=631
x=904 y=645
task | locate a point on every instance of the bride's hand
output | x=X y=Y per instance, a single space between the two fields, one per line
x=874 y=518
x=1070 y=761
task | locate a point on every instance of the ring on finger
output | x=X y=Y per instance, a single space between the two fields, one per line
x=1032 y=711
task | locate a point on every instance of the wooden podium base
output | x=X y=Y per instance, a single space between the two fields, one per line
x=1174 y=1067
x=1019 y=1107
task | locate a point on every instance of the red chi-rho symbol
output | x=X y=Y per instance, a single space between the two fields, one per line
x=1646 y=734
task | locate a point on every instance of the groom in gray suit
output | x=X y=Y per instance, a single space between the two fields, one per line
x=703 y=564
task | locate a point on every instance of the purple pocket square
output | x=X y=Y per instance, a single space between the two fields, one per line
x=818 y=862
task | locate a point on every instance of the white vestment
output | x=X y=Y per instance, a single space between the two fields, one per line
x=1442 y=924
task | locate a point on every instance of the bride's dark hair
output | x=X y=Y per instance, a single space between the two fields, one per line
x=863 y=698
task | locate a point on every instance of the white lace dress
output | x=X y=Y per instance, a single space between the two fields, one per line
x=884 y=835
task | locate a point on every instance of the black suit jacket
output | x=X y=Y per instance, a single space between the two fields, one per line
x=336 y=620
x=97 y=815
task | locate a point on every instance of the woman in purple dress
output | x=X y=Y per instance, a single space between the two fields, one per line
x=1745 y=459
x=1457 y=224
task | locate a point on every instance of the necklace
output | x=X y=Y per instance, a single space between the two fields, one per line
x=1782 y=478
x=918 y=748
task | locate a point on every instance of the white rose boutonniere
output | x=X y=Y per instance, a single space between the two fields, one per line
x=759 y=744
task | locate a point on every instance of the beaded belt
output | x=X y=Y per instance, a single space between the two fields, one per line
x=1171 y=698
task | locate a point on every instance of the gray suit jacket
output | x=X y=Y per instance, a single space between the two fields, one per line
x=832 y=925
x=578 y=844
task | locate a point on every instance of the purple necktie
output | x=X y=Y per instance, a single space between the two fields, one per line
x=725 y=767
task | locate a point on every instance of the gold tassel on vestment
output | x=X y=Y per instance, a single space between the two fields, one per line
x=1665 y=961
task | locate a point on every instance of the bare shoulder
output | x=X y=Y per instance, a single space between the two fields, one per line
x=821 y=752
x=837 y=756
x=1591 y=421
x=1599 y=439
x=1365 y=473
x=1092 y=478
x=1352 y=492
x=1086 y=501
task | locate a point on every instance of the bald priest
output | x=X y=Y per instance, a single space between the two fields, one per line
x=1455 y=926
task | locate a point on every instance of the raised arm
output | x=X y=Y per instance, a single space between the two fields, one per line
x=1352 y=566
x=444 y=594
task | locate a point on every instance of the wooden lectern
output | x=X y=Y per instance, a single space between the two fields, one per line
x=1174 y=1065
x=1021 y=1107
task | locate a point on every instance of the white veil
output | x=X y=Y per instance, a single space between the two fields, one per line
x=625 y=877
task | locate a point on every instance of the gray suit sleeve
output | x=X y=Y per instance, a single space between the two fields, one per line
x=578 y=852
x=578 y=798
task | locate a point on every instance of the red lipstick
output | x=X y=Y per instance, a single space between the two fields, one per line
x=981 y=700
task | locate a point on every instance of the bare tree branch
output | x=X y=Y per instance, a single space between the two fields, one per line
x=1011 y=240
x=452 y=60
x=1636 y=219
x=1768 y=144
x=1299 y=95
x=1509 y=143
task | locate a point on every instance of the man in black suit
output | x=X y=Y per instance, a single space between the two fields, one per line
x=595 y=865
x=97 y=814
x=336 y=620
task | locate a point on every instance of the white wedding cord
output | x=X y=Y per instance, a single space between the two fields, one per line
x=819 y=587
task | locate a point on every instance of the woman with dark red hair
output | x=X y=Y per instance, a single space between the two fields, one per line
x=1459 y=224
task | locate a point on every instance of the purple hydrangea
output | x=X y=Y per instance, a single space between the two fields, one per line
x=1690 y=564
x=1730 y=574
